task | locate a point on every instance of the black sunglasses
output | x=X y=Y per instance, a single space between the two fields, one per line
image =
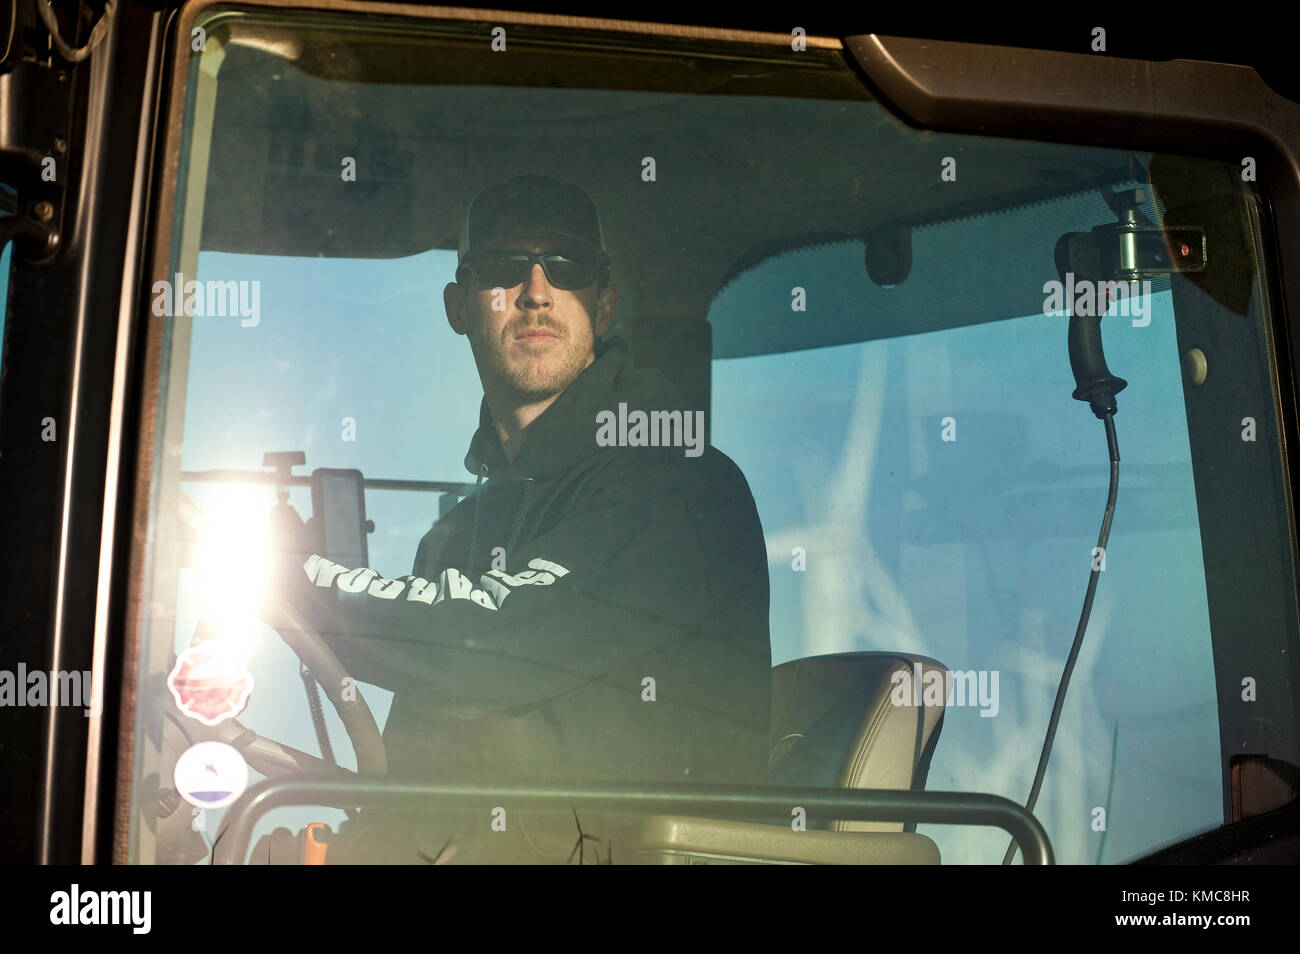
x=565 y=270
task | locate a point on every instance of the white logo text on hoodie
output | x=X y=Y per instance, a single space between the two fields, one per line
x=494 y=586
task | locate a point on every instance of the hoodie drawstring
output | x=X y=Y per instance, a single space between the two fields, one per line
x=519 y=518
x=473 y=537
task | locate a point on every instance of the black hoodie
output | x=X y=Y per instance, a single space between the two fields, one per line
x=590 y=612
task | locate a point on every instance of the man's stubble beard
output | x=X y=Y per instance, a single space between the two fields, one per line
x=531 y=383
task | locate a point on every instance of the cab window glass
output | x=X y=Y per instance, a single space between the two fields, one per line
x=938 y=493
x=861 y=312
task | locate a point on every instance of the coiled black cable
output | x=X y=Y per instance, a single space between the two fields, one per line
x=317 y=715
x=1112 y=444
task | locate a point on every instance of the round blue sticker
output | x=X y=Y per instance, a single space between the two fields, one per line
x=211 y=775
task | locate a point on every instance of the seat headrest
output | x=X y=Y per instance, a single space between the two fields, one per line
x=846 y=721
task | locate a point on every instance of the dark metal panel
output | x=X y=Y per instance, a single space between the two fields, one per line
x=1181 y=106
x=62 y=328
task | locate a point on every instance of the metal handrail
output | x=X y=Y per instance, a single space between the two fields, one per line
x=728 y=801
x=298 y=480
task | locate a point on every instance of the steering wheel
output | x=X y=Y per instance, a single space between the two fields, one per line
x=266 y=755
x=272 y=758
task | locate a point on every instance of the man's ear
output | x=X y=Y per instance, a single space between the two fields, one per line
x=605 y=304
x=453 y=299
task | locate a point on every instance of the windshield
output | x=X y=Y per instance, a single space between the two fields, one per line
x=795 y=494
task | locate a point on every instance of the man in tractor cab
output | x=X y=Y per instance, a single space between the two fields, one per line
x=598 y=609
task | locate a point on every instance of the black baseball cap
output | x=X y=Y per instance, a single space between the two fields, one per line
x=532 y=205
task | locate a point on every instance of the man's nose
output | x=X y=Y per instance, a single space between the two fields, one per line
x=537 y=290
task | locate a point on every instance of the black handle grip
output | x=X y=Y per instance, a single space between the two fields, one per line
x=1096 y=384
